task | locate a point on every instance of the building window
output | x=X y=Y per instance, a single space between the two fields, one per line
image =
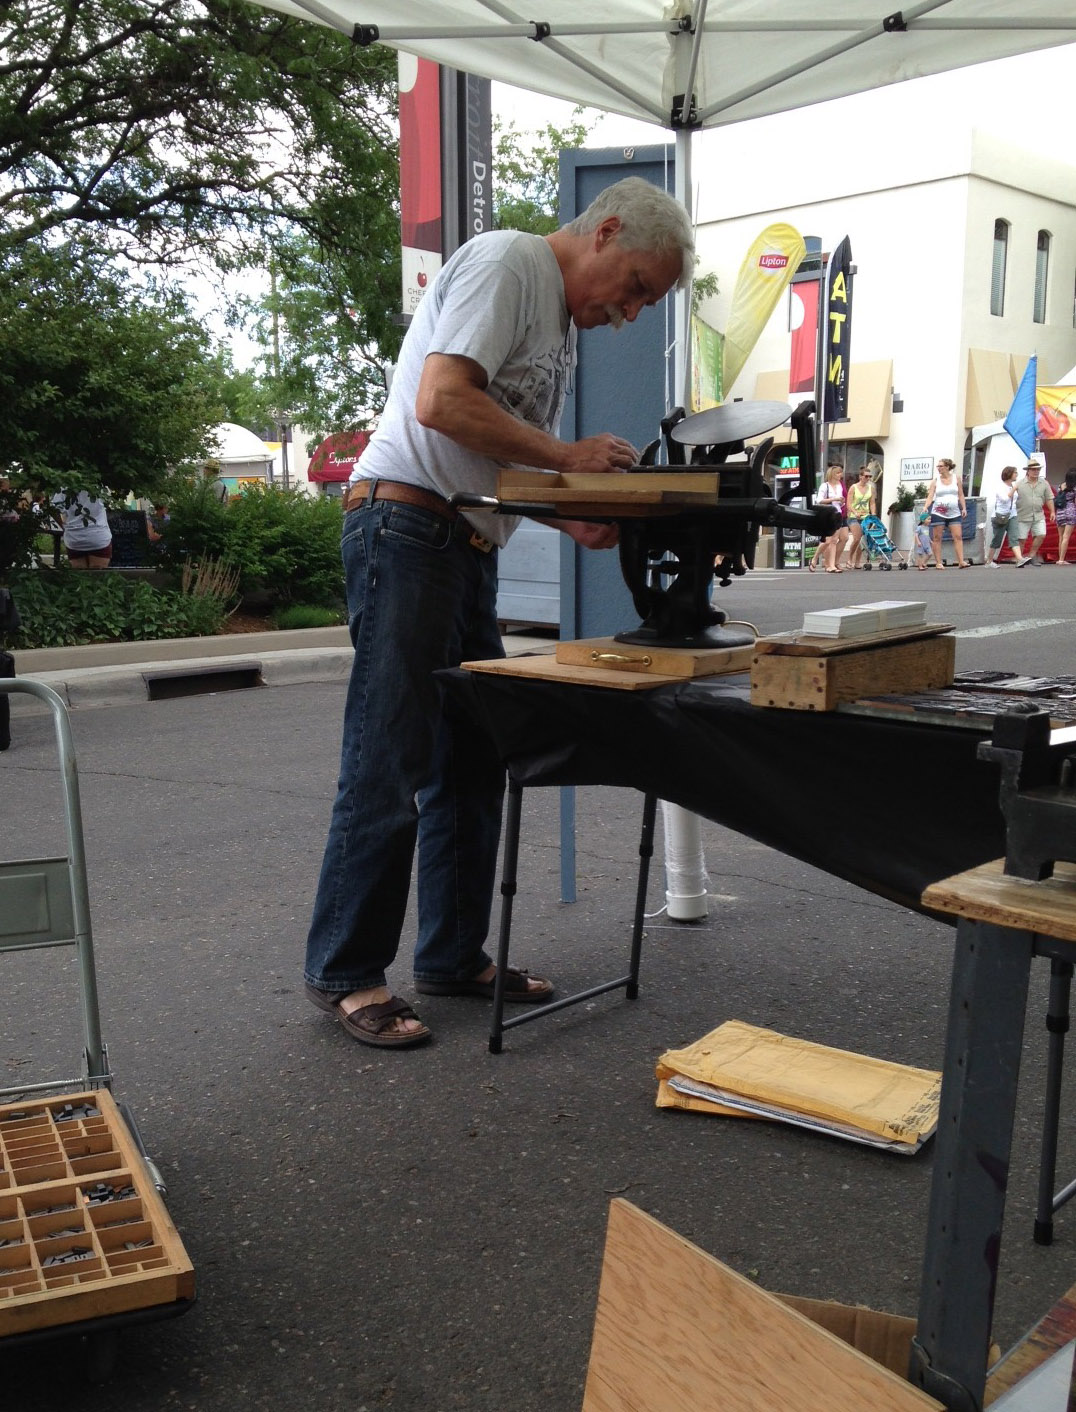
x=997 y=273
x=1042 y=266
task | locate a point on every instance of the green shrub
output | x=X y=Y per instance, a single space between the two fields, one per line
x=68 y=607
x=307 y=615
x=283 y=542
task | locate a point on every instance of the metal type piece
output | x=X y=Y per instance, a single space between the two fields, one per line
x=732 y=422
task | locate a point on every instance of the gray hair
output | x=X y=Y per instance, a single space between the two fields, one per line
x=650 y=219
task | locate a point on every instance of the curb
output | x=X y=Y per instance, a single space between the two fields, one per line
x=126 y=683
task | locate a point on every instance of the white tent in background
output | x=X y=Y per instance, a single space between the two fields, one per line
x=738 y=59
x=239 y=452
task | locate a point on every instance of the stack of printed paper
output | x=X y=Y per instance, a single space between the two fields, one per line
x=739 y=1070
x=858 y=619
x=855 y=621
x=896 y=613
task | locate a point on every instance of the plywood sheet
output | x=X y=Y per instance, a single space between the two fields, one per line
x=676 y=1328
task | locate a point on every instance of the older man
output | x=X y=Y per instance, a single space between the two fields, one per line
x=1034 y=506
x=480 y=383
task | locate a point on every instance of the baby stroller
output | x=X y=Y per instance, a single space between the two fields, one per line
x=880 y=546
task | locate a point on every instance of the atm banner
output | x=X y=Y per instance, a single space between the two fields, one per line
x=838 y=332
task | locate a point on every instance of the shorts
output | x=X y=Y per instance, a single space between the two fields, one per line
x=1036 y=527
x=936 y=519
x=104 y=553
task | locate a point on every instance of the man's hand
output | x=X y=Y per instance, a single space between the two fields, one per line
x=588 y=533
x=599 y=453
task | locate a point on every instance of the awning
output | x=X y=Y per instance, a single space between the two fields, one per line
x=740 y=60
x=870 y=399
x=991 y=386
x=336 y=457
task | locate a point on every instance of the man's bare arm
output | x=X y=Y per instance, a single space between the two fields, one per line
x=452 y=400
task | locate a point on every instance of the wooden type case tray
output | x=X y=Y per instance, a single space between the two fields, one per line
x=83 y=1232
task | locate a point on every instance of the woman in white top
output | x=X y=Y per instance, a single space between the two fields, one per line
x=87 y=536
x=945 y=501
x=831 y=492
x=1003 y=520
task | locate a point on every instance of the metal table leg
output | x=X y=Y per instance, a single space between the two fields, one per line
x=1057 y=1024
x=509 y=874
x=971 y=1162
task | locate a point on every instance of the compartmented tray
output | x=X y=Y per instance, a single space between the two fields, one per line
x=83 y=1232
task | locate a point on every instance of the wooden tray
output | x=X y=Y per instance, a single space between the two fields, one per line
x=73 y=1184
x=616 y=495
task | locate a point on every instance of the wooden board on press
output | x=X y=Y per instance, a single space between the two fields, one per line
x=682 y=662
x=616 y=494
x=795 y=672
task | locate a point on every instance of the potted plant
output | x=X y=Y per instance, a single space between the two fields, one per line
x=902 y=519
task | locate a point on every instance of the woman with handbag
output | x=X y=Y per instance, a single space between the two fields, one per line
x=1065 y=513
x=945 y=501
x=831 y=492
x=1003 y=520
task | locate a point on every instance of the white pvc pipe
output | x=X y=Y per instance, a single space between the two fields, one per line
x=686 y=881
x=685 y=863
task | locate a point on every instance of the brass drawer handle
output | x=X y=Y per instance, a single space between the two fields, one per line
x=621 y=658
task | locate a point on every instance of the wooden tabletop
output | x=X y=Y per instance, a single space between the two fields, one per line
x=989 y=894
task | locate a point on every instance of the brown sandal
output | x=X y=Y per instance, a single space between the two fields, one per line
x=372 y=1024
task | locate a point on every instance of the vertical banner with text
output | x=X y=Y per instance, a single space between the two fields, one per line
x=420 y=176
x=837 y=346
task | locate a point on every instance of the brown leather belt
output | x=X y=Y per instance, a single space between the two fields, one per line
x=401 y=492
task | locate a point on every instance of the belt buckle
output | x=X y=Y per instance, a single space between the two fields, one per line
x=480 y=542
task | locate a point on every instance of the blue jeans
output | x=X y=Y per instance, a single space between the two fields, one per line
x=420 y=597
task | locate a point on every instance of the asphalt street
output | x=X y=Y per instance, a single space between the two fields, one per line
x=423 y=1230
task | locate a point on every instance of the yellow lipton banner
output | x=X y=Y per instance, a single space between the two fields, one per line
x=764 y=275
x=706 y=352
x=1055 y=413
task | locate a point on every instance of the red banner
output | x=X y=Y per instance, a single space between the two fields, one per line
x=804 y=335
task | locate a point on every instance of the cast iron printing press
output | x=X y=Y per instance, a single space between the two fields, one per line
x=670 y=558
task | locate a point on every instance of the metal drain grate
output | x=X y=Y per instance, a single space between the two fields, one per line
x=200 y=681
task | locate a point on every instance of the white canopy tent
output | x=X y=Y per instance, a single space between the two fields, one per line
x=739 y=59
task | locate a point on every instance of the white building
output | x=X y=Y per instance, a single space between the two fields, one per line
x=965 y=254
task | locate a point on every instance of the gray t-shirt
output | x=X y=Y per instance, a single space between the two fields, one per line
x=499 y=301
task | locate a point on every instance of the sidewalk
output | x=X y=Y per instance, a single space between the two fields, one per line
x=116 y=673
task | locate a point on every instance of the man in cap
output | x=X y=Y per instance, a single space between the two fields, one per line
x=1034 y=506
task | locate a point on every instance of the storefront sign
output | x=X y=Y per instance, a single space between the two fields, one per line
x=917 y=468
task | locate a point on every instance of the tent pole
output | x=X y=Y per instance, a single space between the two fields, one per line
x=685 y=861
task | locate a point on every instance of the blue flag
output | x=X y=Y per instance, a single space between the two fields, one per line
x=1020 y=423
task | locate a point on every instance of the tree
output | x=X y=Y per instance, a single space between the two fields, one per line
x=174 y=130
x=102 y=387
x=526 y=173
x=325 y=356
